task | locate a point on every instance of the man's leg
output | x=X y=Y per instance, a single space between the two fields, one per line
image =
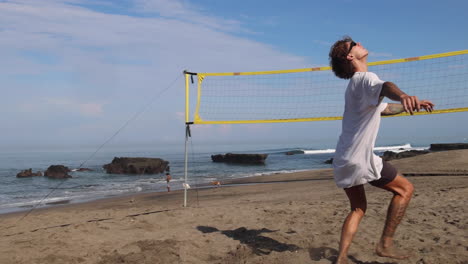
x=402 y=191
x=357 y=198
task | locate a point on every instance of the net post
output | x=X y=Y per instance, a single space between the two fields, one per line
x=186 y=186
x=187 y=93
x=186 y=134
x=187 y=128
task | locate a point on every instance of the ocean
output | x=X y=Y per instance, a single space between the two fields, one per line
x=17 y=194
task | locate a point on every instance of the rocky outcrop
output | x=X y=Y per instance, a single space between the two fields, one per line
x=448 y=146
x=240 y=158
x=28 y=173
x=125 y=165
x=57 y=172
x=390 y=155
x=294 y=152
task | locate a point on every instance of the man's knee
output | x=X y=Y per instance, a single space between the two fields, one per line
x=409 y=190
x=400 y=186
x=406 y=190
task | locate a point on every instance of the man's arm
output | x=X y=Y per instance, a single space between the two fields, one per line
x=393 y=109
x=392 y=91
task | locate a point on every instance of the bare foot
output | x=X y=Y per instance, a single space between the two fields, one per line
x=341 y=260
x=390 y=252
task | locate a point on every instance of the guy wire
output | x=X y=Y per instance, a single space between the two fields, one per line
x=135 y=116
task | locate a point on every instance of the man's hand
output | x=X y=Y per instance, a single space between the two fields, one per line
x=427 y=105
x=412 y=103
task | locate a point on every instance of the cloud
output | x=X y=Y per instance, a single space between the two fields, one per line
x=185 y=11
x=79 y=56
x=323 y=43
x=380 y=54
x=84 y=109
x=87 y=42
x=62 y=105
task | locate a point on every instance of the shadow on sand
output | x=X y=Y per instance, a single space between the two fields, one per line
x=260 y=245
x=331 y=254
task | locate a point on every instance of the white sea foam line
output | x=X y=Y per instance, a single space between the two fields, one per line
x=280 y=171
x=85 y=196
x=406 y=146
x=320 y=151
x=270 y=173
x=401 y=150
x=33 y=202
x=103 y=191
x=392 y=148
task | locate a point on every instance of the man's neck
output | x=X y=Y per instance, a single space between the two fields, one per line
x=360 y=65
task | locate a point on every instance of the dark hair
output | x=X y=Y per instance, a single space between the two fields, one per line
x=340 y=65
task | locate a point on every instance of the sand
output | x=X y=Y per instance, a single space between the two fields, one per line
x=284 y=218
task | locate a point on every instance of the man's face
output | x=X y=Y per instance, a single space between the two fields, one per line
x=356 y=50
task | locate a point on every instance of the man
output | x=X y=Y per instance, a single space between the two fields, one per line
x=355 y=163
x=168 y=179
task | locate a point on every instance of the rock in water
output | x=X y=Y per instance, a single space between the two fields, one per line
x=57 y=172
x=240 y=158
x=126 y=165
x=28 y=173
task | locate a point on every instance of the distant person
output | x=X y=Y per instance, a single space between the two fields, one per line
x=168 y=179
x=355 y=163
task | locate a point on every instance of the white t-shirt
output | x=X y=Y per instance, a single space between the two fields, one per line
x=355 y=162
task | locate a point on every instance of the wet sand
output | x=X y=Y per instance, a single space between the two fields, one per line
x=282 y=218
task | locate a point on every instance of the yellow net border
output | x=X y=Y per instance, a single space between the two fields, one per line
x=201 y=76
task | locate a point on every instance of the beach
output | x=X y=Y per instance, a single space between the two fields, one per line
x=279 y=218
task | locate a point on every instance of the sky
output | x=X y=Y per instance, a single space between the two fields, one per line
x=74 y=72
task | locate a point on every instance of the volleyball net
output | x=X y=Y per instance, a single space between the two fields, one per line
x=315 y=94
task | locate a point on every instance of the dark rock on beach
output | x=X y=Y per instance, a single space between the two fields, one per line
x=126 y=165
x=390 y=155
x=294 y=152
x=240 y=158
x=57 y=172
x=28 y=173
x=448 y=146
